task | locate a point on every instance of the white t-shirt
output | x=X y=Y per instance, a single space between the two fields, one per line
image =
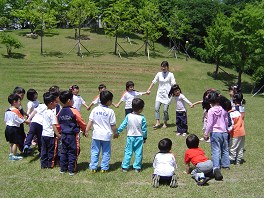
x=97 y=100
x=31 y=105
x=38 y=117
x=49 y=119
x=13 y=117
x=102 y=117
x=164 y=164
x=180 y=102
x=128 y=97
x=78 y=102
x=164 y=86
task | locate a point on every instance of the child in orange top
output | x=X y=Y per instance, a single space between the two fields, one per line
x=237 y=135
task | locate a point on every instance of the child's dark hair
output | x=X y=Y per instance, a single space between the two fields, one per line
x=192 y=141
x=30 y=94
x=165 y=145
x=228 y=105
x=128 y=84
x=48 y=98
x=12 y=98
x=137 y=104
x=54 y=92
x=173 y=88
x=54 y=87
x=19 y=90
x=205 y=103
x=164 y=63
x=74 y=87
x=105 y=96
x=238 y=98
x=101 y=86
x=235 y=88
x=65 y=96
x=216 y=98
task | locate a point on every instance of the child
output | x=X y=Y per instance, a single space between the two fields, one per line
x=36 y=128
x=32 y=96
x=217 y=126
x=13 y=119
x=164 y=165
x=238 y=102
x=237 y=135
x=69 y=123
x=56 y=93
x=232 y=90
x=181 y=116
x=77 y=99
x=196 y=156
x=96 y=100
x=128 y=97
x=206 y=107
x=136 y=135
x=21 y=137
x=49 y=142
x=104 y=122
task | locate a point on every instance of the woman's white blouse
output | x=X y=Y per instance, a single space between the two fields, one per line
x=164 y=86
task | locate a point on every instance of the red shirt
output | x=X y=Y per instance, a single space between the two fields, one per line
x=195 y=156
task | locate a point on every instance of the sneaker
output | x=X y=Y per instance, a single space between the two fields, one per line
x=173 y=183
x=201 y=139
x=71 y=173
x=226 y=168
x=202 y=181
x=104 y=171
x=92 y=171
x=25 y=150
x=124 y=170
x=184 y=134
x=156 y=181
x=232 y=162
x=16 y=158
x=208 y=141
x=217 y=174
x=10 y=155
x=178 y=134
x=63 y=171
x=137 y=170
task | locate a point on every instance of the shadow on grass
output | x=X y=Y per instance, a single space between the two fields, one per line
x=53 y=54
x=14 y=55
x=82 y=37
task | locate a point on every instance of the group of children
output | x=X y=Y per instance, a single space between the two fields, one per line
x=57 y=131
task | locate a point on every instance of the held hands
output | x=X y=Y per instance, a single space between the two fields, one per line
x=205 y=137
x=185 y=172
x=116 y=106
x=86 y=134
x=148 y=92
x=116 y=135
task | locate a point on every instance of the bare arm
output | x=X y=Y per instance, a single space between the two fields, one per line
x=86 y=132
x=198 y=102
x=187 y=166
x=56 y=132
x=148 y=90
x=114 y=129
x=118 y=104
x=31 y=116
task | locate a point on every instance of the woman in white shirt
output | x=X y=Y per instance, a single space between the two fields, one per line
x=166 y=80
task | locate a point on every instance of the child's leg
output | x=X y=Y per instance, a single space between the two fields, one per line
x=52 y=152
x=44 y=157
x=232 y=148
x=216 y=140
x=73 y=153
x=106 y=151
x=240 y=150
x=13 y=148
x=184 y=125
x=64 y=153
x=138 y=151
x=225 y=161
x=95 y=150
x=128 y=153
x=178 y=122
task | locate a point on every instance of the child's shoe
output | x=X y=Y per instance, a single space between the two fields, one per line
x=202 y=139
x=104 y=171
x=218 y=175
x=232 y=162
x=25 y=150
x=92 y=171
x=124 y=170
x=184 y=134
x=156 y=181
x=208 y=141
x=202 y=181
x=10 y=155
x=71 y=173
x=178 y=134
x=137 y=170
x=173 y=183
x=63 y=171
x=16 y=158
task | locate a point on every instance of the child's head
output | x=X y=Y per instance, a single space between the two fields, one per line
x=14 y=100
x=238 y=98
x=19 y=91
x=53 y=87
x=175 y=91
x=129 y=86
x=101 y=87
x=192 y=141
x=66 y=97
x=205 y=103
x=74 y=89
x=165 y=145
x=234 y=89
x=32 y=95
x=49 y=100
x=207 y=92
x=138 y=104
x=228 y=105
x=213 y=98
x=55 y=93
x=106 y=98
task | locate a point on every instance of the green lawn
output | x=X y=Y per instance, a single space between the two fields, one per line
x=28 y=69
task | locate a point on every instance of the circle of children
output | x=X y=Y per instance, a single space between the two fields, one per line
x=56 y=129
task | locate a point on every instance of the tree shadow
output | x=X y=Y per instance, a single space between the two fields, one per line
x=82 y=37
x=14 y=55
x=53 y=54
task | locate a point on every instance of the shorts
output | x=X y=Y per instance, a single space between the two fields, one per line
x=12 y=134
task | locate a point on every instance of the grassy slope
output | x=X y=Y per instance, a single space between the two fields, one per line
x=26 y=68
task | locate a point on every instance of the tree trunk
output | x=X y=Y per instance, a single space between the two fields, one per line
x=146 y=43
x=217 y=67
x=116 y=41
x=174 y=49
x=79 y=36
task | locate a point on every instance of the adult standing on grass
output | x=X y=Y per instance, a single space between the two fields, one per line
x=166 y=80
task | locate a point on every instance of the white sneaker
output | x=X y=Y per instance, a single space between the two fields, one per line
x=184 y=134
x=178 y=134
x=208 y=141
x=16 y=158
x=202 y=139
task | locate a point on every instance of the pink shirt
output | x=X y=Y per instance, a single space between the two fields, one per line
x=217 y=120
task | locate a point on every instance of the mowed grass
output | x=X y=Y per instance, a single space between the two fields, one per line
x=28 y=69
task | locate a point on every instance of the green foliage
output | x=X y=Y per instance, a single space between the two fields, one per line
x=10 y=42
x=4 y=22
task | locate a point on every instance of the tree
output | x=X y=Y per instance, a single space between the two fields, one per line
x=10 y=42
x=118 y=19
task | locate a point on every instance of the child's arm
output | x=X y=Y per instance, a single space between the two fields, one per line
x=187 y=166
x=143 y=93
x=114 y=129
x=31 y=116
x=198 y=102
x=56 y=131
x=118 y=104
x=148 y=90
x=87 y=107
x=86 y=132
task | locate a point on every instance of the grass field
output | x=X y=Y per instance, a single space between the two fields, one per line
x=28 y=69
